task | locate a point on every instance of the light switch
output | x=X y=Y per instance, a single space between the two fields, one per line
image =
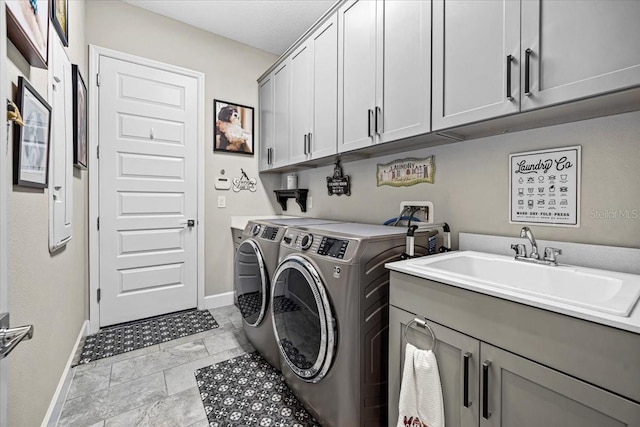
x=222 y=202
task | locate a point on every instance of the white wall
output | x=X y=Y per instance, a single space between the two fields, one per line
x=231 y=70
x=48 y=291
x=471 y=189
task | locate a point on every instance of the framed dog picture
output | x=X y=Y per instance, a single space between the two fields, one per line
x=234 y=127
x=32 y=141
x=80 y=127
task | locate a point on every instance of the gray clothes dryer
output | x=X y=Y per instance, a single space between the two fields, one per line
x=330 y=299
x=255 y=261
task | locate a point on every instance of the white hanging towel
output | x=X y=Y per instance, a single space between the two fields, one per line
x=421 y=403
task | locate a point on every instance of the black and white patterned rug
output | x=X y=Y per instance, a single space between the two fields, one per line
x=143 y=333
x=248 y=391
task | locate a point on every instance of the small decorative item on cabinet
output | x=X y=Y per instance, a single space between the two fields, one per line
x=338 y=184
x=299 y=194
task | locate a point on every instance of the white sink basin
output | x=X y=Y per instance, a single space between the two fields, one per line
x=600 y=290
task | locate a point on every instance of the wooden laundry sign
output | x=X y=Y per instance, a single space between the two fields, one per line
x=406 y=172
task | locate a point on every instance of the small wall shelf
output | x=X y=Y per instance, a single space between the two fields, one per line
x=300 y=194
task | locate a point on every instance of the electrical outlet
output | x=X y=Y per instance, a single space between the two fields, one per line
x=222 y=202
x=309 y=202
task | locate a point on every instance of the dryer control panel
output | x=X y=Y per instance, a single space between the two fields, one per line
x=335 y=248
x=270 y=233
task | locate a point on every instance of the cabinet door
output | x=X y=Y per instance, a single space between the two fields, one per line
x=356 y=74
x=472 y=40
x=301 y=99
x=450 y=352
x=266 y=122
x=404 y=69
x=525 y=394
x=282 y=112
x=325 y=90
x=579 y=49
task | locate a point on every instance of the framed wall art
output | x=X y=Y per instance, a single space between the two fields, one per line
x=60 y=19
x=28 y=29
x=234 y=127
x=32 y=141
x=80 y=128
x=406 y=172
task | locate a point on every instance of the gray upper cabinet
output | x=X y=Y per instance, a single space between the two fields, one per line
x=476 y=48
x=314 y=92
x=384 y=61
x=578 y=49
x=267 y=122
x=282 y=115
x=356 y=74
x=525 y=394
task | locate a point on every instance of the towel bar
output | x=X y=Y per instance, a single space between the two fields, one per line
x=423 y=324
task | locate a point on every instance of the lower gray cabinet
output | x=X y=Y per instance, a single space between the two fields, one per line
x=499 y=388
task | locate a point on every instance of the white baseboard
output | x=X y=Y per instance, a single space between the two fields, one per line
x=219 y=300
x=57 y=401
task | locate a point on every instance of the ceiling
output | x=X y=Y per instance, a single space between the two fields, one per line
x=270 y=25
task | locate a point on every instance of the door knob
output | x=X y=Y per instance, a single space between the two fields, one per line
x=11 y=337
x=189 y=223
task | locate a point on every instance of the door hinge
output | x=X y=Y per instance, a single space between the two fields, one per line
x=98 y=79
x=98 y=223
x=99 y=294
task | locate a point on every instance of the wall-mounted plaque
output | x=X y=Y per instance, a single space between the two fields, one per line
x=544 y=187
x=406 y=172
x=338 y=184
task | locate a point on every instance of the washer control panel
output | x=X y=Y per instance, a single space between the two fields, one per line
x=306 y=241
x=335 y=248
x=270 y=233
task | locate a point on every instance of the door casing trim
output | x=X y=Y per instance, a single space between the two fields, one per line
x=95 y=52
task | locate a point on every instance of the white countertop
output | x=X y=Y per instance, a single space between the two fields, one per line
x=630 y=323
x=240 y=222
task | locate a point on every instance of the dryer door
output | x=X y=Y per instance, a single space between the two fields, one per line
x=251 y=282
x=302 y=318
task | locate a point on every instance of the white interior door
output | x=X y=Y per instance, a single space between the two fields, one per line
x=148 y=191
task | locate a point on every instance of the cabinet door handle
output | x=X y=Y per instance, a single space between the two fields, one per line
x=527 y=62
x=369 y=114
x=305 y=144
x=509 y=60
x=309 y=143
x=465 y=386
x=378 y=120
x=269 y=156
x=485 y=389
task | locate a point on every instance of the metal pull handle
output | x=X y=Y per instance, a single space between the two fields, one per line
x=309 y=143
x=509 y=60
x=306 y=144
x=378 y=120
x=189 y=223
x=465 y=386
x=485 y=389
x=527 y=62
x=369 y=114
x=268 y=156
x=11 y=337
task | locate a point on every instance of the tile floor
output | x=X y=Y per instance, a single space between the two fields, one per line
x=154 y=386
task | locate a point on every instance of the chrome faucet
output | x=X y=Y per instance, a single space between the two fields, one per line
x=526 y=232
x=550 y=253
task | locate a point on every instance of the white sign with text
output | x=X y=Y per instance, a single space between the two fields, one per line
x=544 y=187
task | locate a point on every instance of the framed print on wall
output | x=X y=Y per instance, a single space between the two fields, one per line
x=80 y=131
x=234 y=127
x=28 y=29
x=60 y=19
x=32 y=141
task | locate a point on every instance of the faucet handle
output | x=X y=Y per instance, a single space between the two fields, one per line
x=550 y=254
x=520 y=249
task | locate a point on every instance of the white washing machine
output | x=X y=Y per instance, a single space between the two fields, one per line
x=330 y=298
x=255 y=261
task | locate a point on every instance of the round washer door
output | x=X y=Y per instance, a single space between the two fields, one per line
x=303 y=323
x=251 y=282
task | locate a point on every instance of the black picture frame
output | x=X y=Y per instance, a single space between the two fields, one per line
x=80 y=125
x=231 y=121
x=32 y=142
x=60 y=19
